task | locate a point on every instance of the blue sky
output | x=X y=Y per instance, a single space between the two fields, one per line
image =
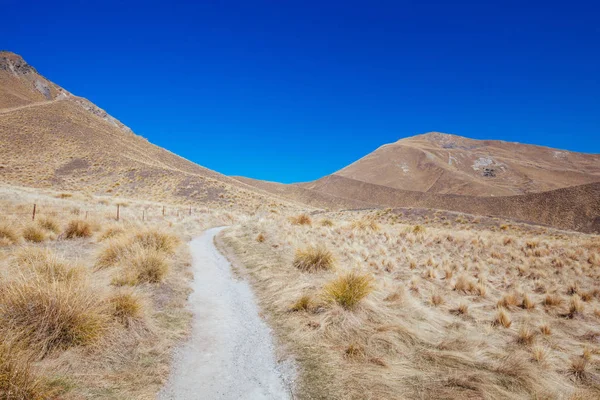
x=293 y=90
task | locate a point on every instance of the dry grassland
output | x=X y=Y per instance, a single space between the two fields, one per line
x=91 y=307
x=374 y=306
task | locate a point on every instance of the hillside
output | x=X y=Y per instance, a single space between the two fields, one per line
x=449 y=164
x=51 y=138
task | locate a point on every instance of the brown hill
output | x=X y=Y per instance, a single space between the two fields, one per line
x=576 y=208
x=51 y=138
x=442 y=163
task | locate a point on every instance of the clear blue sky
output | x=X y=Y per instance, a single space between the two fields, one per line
x=294 y=90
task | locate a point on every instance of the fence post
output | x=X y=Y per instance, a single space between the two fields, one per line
x=118 y=206
x=143 y=215
x=33 y=216
x=86 y=214
x=163 y=211
x=190 y=210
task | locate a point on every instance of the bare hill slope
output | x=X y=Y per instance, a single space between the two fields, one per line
x=442 y=163
x=51 y=138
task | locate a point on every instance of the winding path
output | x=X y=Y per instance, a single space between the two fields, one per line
x=230 y=353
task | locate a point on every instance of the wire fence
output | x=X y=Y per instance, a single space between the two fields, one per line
x=117 y=212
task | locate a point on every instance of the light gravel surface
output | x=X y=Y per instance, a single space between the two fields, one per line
x=230 y=353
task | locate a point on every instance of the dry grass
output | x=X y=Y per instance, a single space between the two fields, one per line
x=50 y=224
x=302 y=219
x=455 y=312
x=33 y=233
x=127 y=307
x=348 y=290
x=149 y=265
x=78 y=228
x=260 y=238
x=8 y=235
x=51 y=315
x=17 y=379
x=313 y=259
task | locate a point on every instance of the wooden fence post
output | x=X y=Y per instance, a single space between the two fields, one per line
x=118 y=207
x=190 y=210
x=163 y=211
x=33 y=216
x=143 y=215
x=86 y=214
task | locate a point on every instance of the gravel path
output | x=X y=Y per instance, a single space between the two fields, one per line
x=230 y=353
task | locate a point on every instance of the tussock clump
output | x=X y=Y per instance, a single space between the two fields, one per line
x=260 y=238
x=302 y=219
x=111 y=232
x=553 y=300
x=437 y=299
x=503 y=318
x=48 y=315
x=461 y=309
x=313 y=259
x=78 y=228
x=326 y=222
x=527 y=303
x=418 y=229
x=113 y=251
x=17 y=379
x=576 y=306
x=49 y=224
x=365 y=224
x=349 y=289
x=156 y=240
x=465 y=284
x=34 y=234
x=149 y=266
x=8 y=235
x=546 y=329
x=46 y=264
x=579 y=367
x=127 y=307
x=526 y=335
x=304 y=303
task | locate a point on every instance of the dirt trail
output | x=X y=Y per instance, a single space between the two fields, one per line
x=230 y=354
x=30 y=105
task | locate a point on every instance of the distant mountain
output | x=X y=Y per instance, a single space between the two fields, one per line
x=53 y=139
x=440 y=171
x=449 y=164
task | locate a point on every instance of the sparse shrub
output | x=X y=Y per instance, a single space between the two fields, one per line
x=349 y=289
x=8 y=235
x=502 y=318
x=302 y=219
x=260 y=238
x=326 y=222
x=78 y=228
x=49 y=224
x=33 y=233
x=313 y=259
x=127 y=307
x=47 y=315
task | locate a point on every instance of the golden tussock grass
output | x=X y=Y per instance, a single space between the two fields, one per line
x=111 y=232
x=33 y=233
x=51 y=315
x=78 y=228
x=149 y=265
x=326 y=222
x=302 y=219
x=365 y=224
x=348 y=290
x=433 y=311
x=8 y=234
x=128 y=307
x=313 y=259
x=260 y=238
x=50 y=224
x=17 y=378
